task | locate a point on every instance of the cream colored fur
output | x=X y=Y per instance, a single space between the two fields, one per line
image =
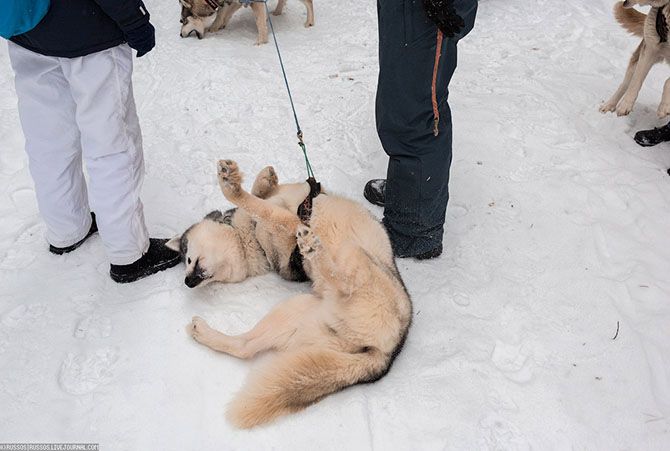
x=347 y=331
x=248 y=247
x=198 y=17
x=649 y=52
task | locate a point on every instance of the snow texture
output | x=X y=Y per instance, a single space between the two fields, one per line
x=556 y=232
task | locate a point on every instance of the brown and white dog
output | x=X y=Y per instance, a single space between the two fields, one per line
x=653 y=28
x=347 y=331
x=202 y=16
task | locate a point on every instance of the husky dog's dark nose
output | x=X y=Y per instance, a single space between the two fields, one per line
x=193 y=280
x=626 y=4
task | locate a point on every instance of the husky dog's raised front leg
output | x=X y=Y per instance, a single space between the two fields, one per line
x=347 y=270
x=273 y=217
x=611 y=104
x=276 y=331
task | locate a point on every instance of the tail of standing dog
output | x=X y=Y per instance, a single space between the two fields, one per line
x=296 y=379
x=629 y=18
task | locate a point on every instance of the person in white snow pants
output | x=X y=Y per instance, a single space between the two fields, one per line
x=71 y=107
x=76 y=101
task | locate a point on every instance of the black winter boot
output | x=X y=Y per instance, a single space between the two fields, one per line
x=375 y=192
x=65 y=250
x=648 y=138
x=157 y=258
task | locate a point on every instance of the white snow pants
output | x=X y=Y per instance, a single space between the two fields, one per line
x=74 y=107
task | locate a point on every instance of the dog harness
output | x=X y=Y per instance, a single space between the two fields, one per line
x=661 y=25
x=214 y=4
x=305 y=208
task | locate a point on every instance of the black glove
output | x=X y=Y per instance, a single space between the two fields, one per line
x=142 y=38
x=443 y=14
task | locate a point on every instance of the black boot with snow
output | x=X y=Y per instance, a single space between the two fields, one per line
x=157 y=258
x=375 y=192
x=648 y=138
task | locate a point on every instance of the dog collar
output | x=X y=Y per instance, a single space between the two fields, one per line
x=305 y=208
x=661 y=25
x=213 y=4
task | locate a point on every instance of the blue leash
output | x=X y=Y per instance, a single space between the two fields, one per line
x=310 y=173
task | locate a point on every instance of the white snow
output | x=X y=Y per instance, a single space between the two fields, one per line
x=557 y=230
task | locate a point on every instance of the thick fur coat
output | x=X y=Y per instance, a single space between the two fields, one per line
x=348 y=331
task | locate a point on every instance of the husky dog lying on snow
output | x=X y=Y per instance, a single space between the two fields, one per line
x=348 y=331
x=200 y=16
x=653 y=28
x=231 y=246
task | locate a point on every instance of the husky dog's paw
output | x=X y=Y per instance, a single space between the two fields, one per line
x=307 y=241
x=230 y=177
x=663 y=110
x=198 y=329
x=607 y=107
x=625 y=107
x=265 y=183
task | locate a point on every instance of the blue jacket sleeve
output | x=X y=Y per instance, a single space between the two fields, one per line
x=19 y=16
x=128 y=14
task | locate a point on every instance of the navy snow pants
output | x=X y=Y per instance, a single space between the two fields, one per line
x=418 y=172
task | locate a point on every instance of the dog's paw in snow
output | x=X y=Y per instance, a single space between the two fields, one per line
x=607 y=107
x=625 y=107
x=663 y=110
x=307 y=241
x=230 y=177
x=198 y=329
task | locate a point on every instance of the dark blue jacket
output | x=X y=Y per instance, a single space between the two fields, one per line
x=74 y=28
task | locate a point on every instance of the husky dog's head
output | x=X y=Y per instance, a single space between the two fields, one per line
x=196 y=17
x=655 y=3
x=211 y=250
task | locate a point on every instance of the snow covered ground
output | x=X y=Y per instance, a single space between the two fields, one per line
x=557 y=230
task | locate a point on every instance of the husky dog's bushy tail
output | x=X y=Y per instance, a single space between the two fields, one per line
x=630 y=19
x=295 y=379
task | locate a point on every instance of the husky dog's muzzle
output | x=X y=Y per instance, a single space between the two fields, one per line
x=194 y=279
x=194 y=24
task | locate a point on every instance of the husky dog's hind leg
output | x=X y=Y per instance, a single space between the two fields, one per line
x=274 y=217
x=281 y=327
x=266 y=183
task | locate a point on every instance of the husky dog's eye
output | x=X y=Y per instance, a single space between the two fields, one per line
x=189 y=261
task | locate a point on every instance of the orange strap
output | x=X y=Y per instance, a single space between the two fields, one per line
x=436 y=113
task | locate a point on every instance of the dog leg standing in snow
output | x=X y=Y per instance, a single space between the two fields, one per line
x=348 y=332
x=653 y=28
x=73 y=81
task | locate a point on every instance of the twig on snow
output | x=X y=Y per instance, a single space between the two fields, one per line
x=617 y=331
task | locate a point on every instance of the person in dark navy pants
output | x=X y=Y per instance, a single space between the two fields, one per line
x=417 y=58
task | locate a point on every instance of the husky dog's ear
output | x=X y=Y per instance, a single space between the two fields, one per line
x=174 y=243
x=185 y=4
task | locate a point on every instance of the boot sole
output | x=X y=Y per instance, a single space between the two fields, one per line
x=132 y=277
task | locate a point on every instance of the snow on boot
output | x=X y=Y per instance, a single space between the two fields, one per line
x=375 y=192
x=157 y=258
x=648 y=138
